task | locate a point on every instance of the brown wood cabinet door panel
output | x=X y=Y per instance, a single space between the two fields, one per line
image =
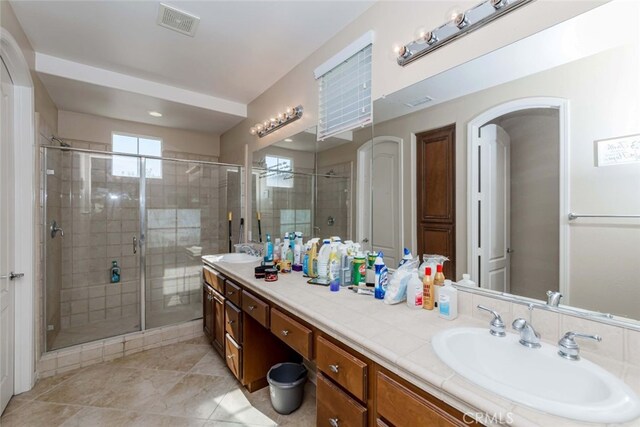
x=233 y=321
x=214 y=279
x=234 y=357
x=255 y=308
x=218 y=323
x=400 y=406
x=334 y=404
x=293 y=333
x=439 y=239
x=207 y=311
x=233 y=292
x=436 y=175
x=342 y=367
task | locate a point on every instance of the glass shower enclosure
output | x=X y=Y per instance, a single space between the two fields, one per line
x=150 y=218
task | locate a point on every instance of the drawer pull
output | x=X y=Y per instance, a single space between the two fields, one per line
x=252 y=307
x=231 y=322
x=230 y=292
x=230 y=356
x=285 y=332
x=334 y=368
x=334 y=422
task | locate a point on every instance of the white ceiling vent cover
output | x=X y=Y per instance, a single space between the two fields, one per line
x=177 y=20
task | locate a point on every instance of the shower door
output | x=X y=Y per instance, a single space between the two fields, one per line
x=92 y=213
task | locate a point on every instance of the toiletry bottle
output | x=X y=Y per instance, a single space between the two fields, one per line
x=466 y=281
x=289 y=243
x=406 y=257
x=323 y=259
x=305 y=259
x=414 y=291
x=277 y=250
x=313 y=258
x=448 y=301
x=297 y=248
x=115 y=272
x=380 y=277
x=334 y=268
x=359 y=274
x=371 y=269
x=438 y=283
x=427 y=290
x=268 y=249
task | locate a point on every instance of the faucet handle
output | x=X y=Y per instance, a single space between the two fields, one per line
x=553 y=298
x=496 y=326
x=569 y=348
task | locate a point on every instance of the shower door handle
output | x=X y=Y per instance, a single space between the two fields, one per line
x=135 y=245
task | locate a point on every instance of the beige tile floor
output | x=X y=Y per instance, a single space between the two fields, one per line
x=185 y=384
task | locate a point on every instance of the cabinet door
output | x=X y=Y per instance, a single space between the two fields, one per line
x=207 y=311
x=336 y=408
x=218 y=323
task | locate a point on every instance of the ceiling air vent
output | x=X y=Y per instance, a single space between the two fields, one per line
x=177 y=20
x=417 y=102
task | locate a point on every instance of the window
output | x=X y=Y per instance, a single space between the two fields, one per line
x=345 y=89
x=278 y=171
x=130 y=166
x=296 y=220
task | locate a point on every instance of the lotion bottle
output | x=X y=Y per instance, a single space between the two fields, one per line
x=448 y=301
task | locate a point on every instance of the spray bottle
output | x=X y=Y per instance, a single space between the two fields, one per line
x=334 y=268
x=268 y=249
x=323 y=259
x=381 y=277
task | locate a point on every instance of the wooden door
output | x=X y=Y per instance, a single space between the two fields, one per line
x=436 y=195
x=207 y=311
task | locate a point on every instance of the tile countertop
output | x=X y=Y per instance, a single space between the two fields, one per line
x=399 y=338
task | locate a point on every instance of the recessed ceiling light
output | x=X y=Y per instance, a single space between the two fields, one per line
x=155 y=114
x=288 y=140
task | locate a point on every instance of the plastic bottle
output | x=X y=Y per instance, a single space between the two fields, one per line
x=334 y=268
x=323 y=259
x=381 y=277
x=289 y=256
x=427 y=290
x=414 y=291
x=277 y=251
x=313 y=258
x=466 y=281
x=305 y=259
x=115 y=272
x=359 y=274
x=448 y=301
x=406 y=257
x=297 y=249
x=438 y=283
x=268 y=249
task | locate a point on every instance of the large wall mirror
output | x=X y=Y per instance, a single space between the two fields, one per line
x=498 y=152
x=302 y=184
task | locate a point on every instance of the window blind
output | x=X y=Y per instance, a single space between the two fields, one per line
x=345 y=95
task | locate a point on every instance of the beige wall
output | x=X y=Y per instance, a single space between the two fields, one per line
x=599 y=107
x=96 y=129
x=393 y=23
x=535 y=198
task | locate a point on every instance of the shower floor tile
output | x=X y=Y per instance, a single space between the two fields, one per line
x=184 y=384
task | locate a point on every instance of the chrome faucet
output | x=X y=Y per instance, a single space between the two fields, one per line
x=496 y=326
x=248 y=248
x=553 y=298
x=528 y=336
x=569 y=348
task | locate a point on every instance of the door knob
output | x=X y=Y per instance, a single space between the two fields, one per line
x=13 y=276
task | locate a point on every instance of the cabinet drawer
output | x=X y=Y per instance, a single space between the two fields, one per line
x=292 y=332
x=336 y=408
x=233 y=321
x=255 y=308
x=342 y=367
x=234 y=357
x=214 y=279
x=233 y=293
x=402 y=407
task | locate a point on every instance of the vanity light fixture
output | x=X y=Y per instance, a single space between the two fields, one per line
x=460 y=24
x=155 y=114
x=276 y=122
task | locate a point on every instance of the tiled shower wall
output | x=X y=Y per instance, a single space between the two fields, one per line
x=333 y=208
x=183 y=210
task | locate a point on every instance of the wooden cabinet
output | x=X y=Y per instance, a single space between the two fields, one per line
x=207 y=311
x=292 y=332
x=214 y=279
x=401 y=404
x=233 y=292
x=335 y=408
x=233 y=321
x=342 y=367
x=218 y=323
x=234 y=357
x=256 y=308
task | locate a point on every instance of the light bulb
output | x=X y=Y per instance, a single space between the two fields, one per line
x=289 y=111
x=265 y=124
x=252 y=131
x=452 y=13
x=419 y=33
x=259 y=127
x=280 y=117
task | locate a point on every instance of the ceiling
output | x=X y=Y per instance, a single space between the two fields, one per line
x=240 y=48
x=308 y=141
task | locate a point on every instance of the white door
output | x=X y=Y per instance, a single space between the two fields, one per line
x=495 y=180
x=381 y=173
x=6 y=240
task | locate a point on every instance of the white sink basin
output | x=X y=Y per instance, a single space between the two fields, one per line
x=538 y=378
x=233 y=258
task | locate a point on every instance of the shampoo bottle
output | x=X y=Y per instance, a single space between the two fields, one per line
x=438 y=283
x=427 y=290
x=380 y=277
x=448 y=301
